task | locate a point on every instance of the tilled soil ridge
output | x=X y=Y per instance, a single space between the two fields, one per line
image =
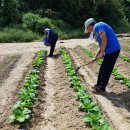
x=114 y=86
x=110 y=102
x=6 y=65
x=60 y=109
x=14 y=73
x=10 y=87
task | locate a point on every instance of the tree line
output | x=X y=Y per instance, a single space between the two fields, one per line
x=73 y=12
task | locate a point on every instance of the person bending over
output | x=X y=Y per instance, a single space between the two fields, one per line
x=109 y=49
x=52 y=37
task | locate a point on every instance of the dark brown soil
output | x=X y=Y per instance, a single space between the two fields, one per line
x=6 y=65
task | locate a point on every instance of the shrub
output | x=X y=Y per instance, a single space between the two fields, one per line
x=71 y=33
x=31 y=20
x=35 y=22
x=9 y=35
x=60 y=24
x=124 y=27
x=44 y=22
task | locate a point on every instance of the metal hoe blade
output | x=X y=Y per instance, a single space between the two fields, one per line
x=76 y=70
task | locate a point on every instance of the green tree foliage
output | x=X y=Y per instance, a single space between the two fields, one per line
x=111 y=11
x=9 y=12
x=126 y=5
x=74 y=12
x=35 y=22
x=30 y=20
x=32 y=5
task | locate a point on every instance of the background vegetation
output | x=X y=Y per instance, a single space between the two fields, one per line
x=22 y=20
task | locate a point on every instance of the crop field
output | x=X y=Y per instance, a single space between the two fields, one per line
x=42 y=93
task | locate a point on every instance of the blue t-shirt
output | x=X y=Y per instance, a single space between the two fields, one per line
x=112 y=41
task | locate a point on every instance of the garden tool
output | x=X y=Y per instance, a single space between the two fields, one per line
x=76 y=70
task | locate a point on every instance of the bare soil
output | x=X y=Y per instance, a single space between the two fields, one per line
x=123 y=66
x=56 y=106
x=16 y=60
x=117 y=94
x=6 y=65
x=120 y=89
x=59 y=108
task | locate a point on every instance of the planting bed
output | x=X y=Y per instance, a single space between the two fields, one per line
x=114 y=85
x=59 y=108
x=7 y=63
x=118 y=94
x=122 y=61
x=125 y=44
x=60 y=90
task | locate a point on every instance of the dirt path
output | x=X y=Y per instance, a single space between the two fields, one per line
x=60 y=109
x=10 y=87
x=57 y=108
x=6 y=65
x=17 y=69
x=32 y=47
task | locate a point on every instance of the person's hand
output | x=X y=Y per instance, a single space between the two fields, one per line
x=101 y=55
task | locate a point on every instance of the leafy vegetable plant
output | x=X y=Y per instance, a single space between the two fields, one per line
x=21 y=111
x=94 y=115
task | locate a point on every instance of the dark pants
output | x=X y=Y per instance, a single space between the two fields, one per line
x=54 y=39
x=106 y=69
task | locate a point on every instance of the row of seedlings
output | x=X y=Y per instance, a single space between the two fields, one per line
x=21 y=111
x=117 y=75
x=93 y=116
x=123 y=57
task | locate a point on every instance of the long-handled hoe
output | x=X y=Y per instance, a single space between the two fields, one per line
x=76 y=70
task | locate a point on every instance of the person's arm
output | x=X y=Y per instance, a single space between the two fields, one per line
x=103 y=45
x=100 y=52
x=97 y=53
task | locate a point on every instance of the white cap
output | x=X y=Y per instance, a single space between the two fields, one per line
x=88 y=22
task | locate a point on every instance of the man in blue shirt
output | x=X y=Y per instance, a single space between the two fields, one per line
x=53 y=37
x=109 y=49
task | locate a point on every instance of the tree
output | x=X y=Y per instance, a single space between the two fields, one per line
x=111 y=11
x=9 y=11
x=126 y=5
x=75 y=12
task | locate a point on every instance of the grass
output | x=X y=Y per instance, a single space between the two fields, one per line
x=71 y=33
x=18 y=34
x=21 y=34
x=8 y=35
